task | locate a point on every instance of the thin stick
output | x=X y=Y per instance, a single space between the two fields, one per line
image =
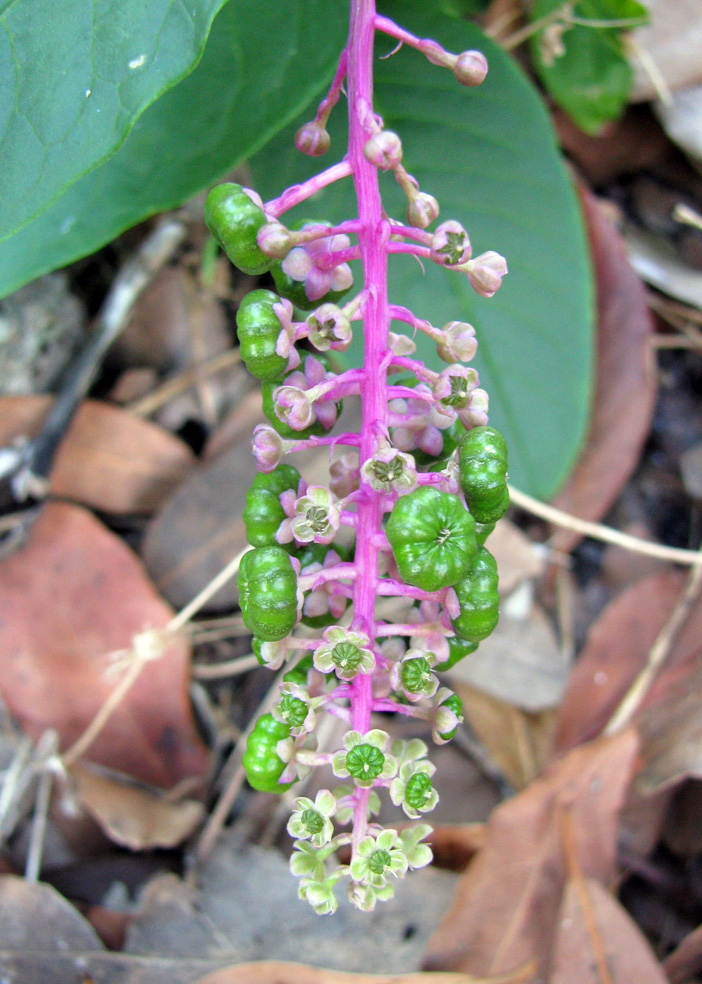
x=677 y=555
x=660 y=650
x=79 y=747
x=232 y=667
x=38 y=833
x=183 y=381
x=676 y=342
x=211 y=589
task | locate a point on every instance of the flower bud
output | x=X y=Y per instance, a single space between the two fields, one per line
x=450 y=245
x=294 y=407
x=275 y=240
x=476 y=413
x=384 y=150
x=329 y=328
x=485 y=272
x=268 y=447
x=459 y=343
x=312 y=139
x=422 y=210
x=471 y=68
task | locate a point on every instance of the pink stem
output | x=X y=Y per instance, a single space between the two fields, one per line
x=300 y=193
x=347 y=439
x=422 y=251
x=332 y=98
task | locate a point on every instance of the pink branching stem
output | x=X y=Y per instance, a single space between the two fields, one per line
x=300 y=193
x=425 y=45
x=329 y=260
x=345 y=384
x=373 y=243
x=398 y=588
x=347 y=439
x=408 y=629
x=407 y=393
x=324 y=232
x=413 y=248
x=389 y=705
x=430 y=478
x=409 y=232
x=418 y=368
x=339 y=572
x=332 y=98
x=405 y=315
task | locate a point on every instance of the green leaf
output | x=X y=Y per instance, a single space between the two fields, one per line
x=74 y=76
x=233 y=102
x=490 y=158
x=585 y=68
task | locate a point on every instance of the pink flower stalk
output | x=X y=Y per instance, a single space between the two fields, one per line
x=364 y=664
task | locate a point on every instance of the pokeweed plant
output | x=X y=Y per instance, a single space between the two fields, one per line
x=419 y=488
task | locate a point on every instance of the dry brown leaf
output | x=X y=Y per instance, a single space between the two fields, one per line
x=615 y=651
x=454 y=845
x=70 y=599
x=625 y=385
x=516 y=556
x=521 y=662
x=275 y=972
x=504 y=912
x=592 y=923
x=134 y=816
x=671 y=738
x=108 y=460
x=518 y=743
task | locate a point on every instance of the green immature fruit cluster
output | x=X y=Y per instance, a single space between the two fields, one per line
x=482 y=462
x=432 y=538
x=268 y=593
x=263 y=512
x=261 y=761
x=258 y=328
x=234 y=220
x=478 y=599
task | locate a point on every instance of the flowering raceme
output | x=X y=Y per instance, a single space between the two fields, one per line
x=410 y=501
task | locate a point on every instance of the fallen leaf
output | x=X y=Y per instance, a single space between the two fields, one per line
x=591 y=923
x=685 y=962
x=274 y=972
x=71 y=598
x=625 y=385
x=671 y=42
x=134 y=816
x=504 y=911
x=520 y=663
x=519 y=743
x=615 y=651
x=517 y=557
x=671 y=738
x=454 y=845
x=108 y=460
x=656 y=261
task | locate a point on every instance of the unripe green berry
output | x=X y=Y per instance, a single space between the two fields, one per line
x=234 y=220
x=365 y=761
x=418 y=790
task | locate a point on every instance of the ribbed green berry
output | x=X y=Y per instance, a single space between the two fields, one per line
x=458 y=649
x=482 y=463
x=454 y=704
x=263 y=512
x=293 y=710
x=415 y=674
x=482 y=532
x=234 y=221
x=418 y=790
x=258 y=328
x=261 y=761
x=365 y=761
x=432 y=538
x=268 y=593
x=478 y=599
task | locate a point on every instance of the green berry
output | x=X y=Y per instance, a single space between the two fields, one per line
x=293 y=710
x=458 y=649
x=268 y=593
x=482 y=463
x=415 y=674
x=454 y=704
x=365 y=762
x=298 y=673
x=234 y=220
x=261 y=761
x=478 y=599
x=418 y=790
x=258 y=328
x=432 y=538
x=263 y=512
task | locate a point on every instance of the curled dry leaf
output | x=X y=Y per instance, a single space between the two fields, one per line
x=625 y=386
x=134 y=816
x=614 y=653
x=275 y=972
x=504 y=912
x=591 y=927
x=108 y=460
x=71 y=599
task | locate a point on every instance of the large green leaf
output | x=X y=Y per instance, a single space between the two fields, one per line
x=261 y=64
x=585 y=68
x=489 y=156
x=74 y=76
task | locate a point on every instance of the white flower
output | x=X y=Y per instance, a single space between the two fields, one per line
x=344 y=651
x=311 y=820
